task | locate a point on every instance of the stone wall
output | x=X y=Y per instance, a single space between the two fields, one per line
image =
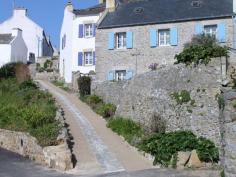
x=58 y=157
x=142 y=55
x=229 y=132
x=148 y=98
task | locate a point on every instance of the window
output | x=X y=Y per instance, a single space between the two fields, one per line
x=64 y=41
x=210 y=30
x=88 y=30
x=120 y=75
x=121 y=40
x=88 y=58
x=164 y=37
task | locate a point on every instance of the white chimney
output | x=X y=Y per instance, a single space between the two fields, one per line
x=69 y=6
x=20 y=12
x=234 y=6
x=111 y=5
x=16 y=32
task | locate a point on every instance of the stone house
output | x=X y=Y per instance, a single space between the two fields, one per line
x=38 y=44
x=13 y=47
x=77 y=48
x=136 y=33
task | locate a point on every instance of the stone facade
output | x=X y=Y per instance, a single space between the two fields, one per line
x=148 y=98
x=142 y=55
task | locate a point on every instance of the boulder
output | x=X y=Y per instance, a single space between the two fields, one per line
x=182 y=159
x=194 y=161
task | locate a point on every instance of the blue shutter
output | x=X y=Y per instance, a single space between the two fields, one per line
x=153 y=37
x=110 y=76
x=129 y=75
x=94 y=58
x=221 y=32
x=111 y=41
x=199 y=29
x=81 y=30
x=94 y=30
x=129 y=36
x=80 y=59
x=174 y=36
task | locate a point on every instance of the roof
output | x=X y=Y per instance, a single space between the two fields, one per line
x=143 y=12
x=6 y=38
x=91 y=10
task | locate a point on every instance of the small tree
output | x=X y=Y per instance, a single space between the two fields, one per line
x=84 y=84
x=200 y=50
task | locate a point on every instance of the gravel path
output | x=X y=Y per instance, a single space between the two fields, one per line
x=106 y=150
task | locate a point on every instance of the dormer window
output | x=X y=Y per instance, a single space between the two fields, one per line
x=88 y=30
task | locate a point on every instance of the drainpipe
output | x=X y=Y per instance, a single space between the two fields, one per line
x=233 y=21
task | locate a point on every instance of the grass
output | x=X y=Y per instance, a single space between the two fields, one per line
x=61 y=85
x=131 y=131
x=23 y=107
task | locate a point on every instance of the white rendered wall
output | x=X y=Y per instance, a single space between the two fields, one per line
x=74 y=44
x=18 y=50
x=65 y=65
x=32 y=33
x=82 y=44
x=5 y=51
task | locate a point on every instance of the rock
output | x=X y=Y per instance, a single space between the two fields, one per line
x=194 y=161
x=182 y=159
x=58 y=157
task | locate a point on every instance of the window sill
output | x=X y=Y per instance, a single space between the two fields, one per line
x=88 y=37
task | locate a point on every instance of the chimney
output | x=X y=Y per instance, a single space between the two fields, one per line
x=234 y=6
x=16 y=32
x=111 y=5
x=20 y=12
x=69 y=6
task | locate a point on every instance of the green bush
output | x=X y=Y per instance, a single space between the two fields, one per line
x=106 y=110
x=182 y=96
x=164 y=146
x=126 y=128
x=47 y=64
x=84 y=84
x=93 y=99
x=200 y=50
x=8 y=70
x=23 y=107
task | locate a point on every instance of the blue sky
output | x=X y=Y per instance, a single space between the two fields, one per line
x=47 y=13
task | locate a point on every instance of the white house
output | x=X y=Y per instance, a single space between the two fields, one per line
x=77 y=48
x=37 y=43
x=13 y=47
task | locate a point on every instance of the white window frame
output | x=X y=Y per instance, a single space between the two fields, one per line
x=120 y=75
x=88 y=61
x=166 y=37
x=88 y=30
x=121 y=40
x=212 y=32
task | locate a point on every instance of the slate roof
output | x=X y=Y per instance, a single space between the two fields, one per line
x=92 y=10
x=143 y=12
x=6 y=38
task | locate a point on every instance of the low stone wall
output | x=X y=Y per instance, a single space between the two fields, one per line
x=229 y=132
x=58 y=157
x=148 y=100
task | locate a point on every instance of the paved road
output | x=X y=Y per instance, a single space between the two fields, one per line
x=13 y=165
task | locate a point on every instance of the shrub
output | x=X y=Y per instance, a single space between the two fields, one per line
x=47 y=64
x=8 y=70
x=84 y=84
x=164 y=146
x=106 y=110
x=93 y=99
x=23 y=107
x=182 y=97
x=126 y=128
x=200 y=50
